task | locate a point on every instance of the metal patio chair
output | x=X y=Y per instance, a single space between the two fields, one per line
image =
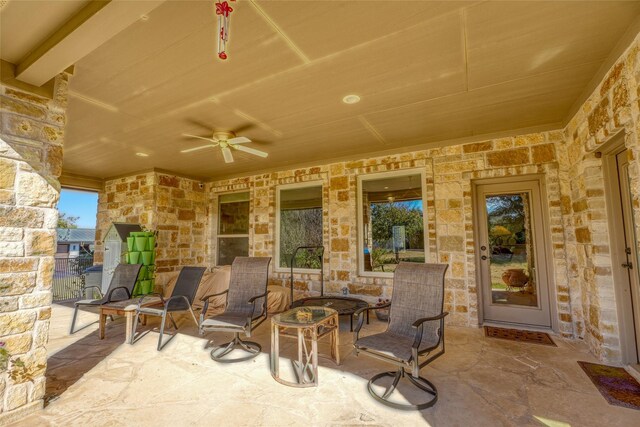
x=415 y=330
x=247 y=285
x=120 y=288
x=180 y=300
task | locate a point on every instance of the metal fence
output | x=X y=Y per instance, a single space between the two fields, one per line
x=68 y=277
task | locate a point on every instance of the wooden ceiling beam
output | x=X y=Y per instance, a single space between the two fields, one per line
x=92 y=26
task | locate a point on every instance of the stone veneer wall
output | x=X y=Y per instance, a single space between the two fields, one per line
x=31 y=132
x=612 y=109
x=172 y=205
x=582 y=289
x=449 y=173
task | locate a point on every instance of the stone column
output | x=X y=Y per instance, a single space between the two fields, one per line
x=31 y=137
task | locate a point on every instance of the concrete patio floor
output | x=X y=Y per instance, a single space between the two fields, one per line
x=481 y=381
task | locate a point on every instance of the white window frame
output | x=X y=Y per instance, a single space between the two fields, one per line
x=219 y=236
x=315 y=183
x=360 y=246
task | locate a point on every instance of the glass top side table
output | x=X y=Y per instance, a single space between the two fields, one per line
x=305 y=324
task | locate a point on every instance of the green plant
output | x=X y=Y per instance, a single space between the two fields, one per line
x=4 y=357
x=384 y=216
x=19 y=371
x=67 y=221
x=378 y=255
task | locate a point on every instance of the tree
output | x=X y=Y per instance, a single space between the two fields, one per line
x=385 y=215
x=300 y=227
x=507 y=212
x=67 y=221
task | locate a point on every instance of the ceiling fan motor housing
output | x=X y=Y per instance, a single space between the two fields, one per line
x=223 y=135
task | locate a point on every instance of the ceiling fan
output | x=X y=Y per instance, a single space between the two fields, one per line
x=227 y=141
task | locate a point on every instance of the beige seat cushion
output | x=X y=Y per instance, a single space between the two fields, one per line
x=218 y=281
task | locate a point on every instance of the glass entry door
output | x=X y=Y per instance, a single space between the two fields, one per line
x=627 y=245
x=513 y=271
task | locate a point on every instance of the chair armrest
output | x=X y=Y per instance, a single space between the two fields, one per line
x=358 y=313
x=154 y=294
x=114 y=289
x=206 y=299
x=252 y=300
x=429 y=319
x=175 y=297
x=95 y=287
x=418 y=324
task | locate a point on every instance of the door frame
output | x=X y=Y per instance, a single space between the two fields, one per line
x=546 y=245
x=624 y=307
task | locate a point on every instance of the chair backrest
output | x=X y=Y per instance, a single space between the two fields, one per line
x=125 y=275
x=418 y=291
x=249 y=277
x=188 y=283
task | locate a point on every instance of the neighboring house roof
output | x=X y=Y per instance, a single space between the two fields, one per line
x=85 y=235
x=123 y=229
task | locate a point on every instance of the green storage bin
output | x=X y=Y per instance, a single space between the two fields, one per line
x=130 y=242
x=134 y=257
x=141 y=243
x=151 y=243
x=145 y=287
x=147 y=257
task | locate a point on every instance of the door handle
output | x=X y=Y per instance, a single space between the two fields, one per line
x=483 y=257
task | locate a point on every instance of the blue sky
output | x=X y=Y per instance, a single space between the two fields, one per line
x=83 y=204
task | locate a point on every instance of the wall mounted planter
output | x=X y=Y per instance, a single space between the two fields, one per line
x=141 y=245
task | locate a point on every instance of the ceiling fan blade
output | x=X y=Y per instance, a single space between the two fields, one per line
x=251 y=150
x=239 y=140
x=200 y=137
x=198 y=148
x=226 y=153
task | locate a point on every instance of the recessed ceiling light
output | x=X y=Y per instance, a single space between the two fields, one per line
x=142 y=155
x=386 y=188
x=351 y=99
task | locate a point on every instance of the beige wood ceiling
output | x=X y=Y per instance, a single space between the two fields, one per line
x=426 y=72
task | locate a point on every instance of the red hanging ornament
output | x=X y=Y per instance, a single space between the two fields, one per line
x=223 y=10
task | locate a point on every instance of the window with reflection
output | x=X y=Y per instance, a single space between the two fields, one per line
x=299 y=218
x=391 y=221
x=233 y=227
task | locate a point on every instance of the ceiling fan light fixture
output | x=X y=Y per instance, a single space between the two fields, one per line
x=351 y=99
x=226 y=141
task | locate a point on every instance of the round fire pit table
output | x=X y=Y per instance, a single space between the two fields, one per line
x=345 y=306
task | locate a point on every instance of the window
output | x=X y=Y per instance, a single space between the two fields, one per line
x=391 y=221
x=299 y=221
x=233 y=227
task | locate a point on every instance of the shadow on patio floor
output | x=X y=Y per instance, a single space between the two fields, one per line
x=481 y=381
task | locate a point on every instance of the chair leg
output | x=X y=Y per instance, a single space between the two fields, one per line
x=135 y=327
x=162 y=345
x=419 y=382
x=218 y=352
x=173 y=321
x=73 y=329
x=194 y=316
x=73 y=321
